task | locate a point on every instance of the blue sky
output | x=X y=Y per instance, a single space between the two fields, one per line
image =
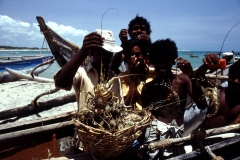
x=196 y=25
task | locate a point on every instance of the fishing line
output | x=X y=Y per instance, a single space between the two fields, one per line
x=222 y=47
x=101 y=35
x=227 y=35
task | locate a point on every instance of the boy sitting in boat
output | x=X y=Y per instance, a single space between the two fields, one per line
x=166 y=96
x=98 y=47
x=226 y=109
x=138 y=28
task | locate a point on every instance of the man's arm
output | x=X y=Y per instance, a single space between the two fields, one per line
x=193 y=88
x=65 y=75
x=209 y=61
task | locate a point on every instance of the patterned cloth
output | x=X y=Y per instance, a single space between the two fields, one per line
x=159 y=131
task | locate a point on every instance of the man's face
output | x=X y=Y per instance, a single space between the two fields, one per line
x=106 y=56
x=163 y=66
x=137 y=30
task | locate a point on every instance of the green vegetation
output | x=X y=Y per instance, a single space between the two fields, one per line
x=20 y=48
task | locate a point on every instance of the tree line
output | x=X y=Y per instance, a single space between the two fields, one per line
x=20 y=48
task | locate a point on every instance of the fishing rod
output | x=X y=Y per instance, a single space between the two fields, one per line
x=226 y=37
x=101 y=72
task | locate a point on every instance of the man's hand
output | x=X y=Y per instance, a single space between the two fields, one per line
x=136 y=61
x=123 y=35
x=144 y=37
x=185 y=66
x=211 y=60
x=91 y=41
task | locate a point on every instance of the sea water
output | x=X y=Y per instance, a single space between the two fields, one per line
x=195 y=60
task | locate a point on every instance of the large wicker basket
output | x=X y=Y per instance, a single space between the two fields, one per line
x=104 y=144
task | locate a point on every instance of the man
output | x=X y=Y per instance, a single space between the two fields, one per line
x=229 y=101
x=166 y=96
x=84 y=78
x=100 y=46
x=138 y=28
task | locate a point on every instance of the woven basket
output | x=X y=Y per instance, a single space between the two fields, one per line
x=104 y=144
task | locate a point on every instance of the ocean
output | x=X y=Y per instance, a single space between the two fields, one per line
x=194 y=57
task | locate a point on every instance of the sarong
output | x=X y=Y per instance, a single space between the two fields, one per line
x=159 y=131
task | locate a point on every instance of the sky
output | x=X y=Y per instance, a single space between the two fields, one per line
x=195 y=25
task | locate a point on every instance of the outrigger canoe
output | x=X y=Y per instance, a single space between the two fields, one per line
x=24 y=64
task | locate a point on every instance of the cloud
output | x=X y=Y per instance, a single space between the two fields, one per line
x=15 y=30
x=66 y=30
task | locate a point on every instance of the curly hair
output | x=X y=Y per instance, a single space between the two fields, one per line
x=140 y=21
x=164 y=48
x=132 y=43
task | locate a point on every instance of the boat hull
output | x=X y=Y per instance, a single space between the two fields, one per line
x=24 y=66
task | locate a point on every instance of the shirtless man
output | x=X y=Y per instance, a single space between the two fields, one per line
x=229 y=108
x=166 y=96
x=138 y=28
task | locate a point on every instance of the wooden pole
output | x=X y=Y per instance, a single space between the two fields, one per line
x=7 y=136
x=173 y=141
x=59 y=101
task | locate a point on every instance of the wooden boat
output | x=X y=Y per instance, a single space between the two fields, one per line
x=53 y=136
x=21 y=63
x=62 y=49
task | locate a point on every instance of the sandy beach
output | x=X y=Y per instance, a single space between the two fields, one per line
x=19 y=93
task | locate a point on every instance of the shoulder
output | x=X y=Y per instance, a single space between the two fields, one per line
x=183 y=78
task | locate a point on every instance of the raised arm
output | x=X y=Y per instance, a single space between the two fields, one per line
x=193 y=88
x=208 y=62
x=64 y=76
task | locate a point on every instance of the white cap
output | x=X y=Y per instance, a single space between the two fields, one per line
x=109 y=42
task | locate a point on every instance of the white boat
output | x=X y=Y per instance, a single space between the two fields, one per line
x=14 y=52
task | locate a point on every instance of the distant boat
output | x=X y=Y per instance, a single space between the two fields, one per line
x=14 y=52
x=194 y=56
x=24 y=64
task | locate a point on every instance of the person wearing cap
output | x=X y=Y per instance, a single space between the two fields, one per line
x=138 y=28
x=98 y=48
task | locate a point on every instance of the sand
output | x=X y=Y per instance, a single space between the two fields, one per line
x=20 y=93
